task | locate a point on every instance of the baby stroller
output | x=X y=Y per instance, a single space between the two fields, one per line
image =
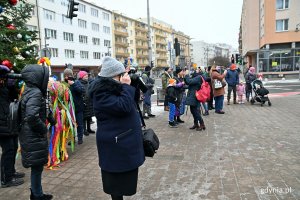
x=261 y=93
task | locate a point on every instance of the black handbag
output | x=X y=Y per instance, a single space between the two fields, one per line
x=150 y=139
x=150 y=142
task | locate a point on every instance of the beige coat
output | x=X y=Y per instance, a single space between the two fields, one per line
x=216 y=75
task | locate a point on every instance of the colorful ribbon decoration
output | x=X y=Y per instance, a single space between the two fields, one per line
x=62 y=107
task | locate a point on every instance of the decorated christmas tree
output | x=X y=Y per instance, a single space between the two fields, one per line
x=16 y=41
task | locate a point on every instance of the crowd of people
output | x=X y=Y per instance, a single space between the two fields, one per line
x=179 y=88
x=115 y=95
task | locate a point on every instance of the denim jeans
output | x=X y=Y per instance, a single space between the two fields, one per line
x=79 y=120
x=36 y=180
x=9 y=147
x=205 y=106
x=219 y=103
x=195 y=110
x=172 y=109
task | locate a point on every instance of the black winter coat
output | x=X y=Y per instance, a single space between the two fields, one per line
x=88 y=106
x=33 y=134
x=119 y=132
x=194 y=83
x=77 y=90
x=7 y=95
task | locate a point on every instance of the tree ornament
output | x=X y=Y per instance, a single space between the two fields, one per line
x=1 y=9
x=25 y=54
x=19 y=36
x=11 y=27
x=27 y=38
x=13 y=2
x=7 y=63
x=16 y=50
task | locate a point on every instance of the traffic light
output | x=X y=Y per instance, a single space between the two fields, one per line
x=232 y=59
x=72 y=8
x=177 y=47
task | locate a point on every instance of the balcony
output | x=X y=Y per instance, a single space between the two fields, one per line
x=121 y=44
x=160 y=35
x=161 y=50
x=120 y=23
x=161 y=42
x=142 y=29
x=121 y=33
x=161 y=65
x=162 y=58
x=142 y=55
x=141 y=46
x=141 y=37
x=122 y=54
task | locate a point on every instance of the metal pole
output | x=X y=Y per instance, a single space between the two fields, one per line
x=149 y=35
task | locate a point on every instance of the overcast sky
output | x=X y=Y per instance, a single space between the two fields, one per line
x=214 y=21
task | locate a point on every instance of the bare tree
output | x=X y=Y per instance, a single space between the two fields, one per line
x=219 y=60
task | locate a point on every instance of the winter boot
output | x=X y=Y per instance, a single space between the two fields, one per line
x=202 y=127
x=195 y=126
x=172 y=124
x=228 y=101
x=43 y=197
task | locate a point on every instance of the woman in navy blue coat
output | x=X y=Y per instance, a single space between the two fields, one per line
x=119 y=132
x=194 y=83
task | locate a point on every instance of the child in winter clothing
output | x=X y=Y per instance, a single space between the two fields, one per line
x=240 y=88
x=172 y=99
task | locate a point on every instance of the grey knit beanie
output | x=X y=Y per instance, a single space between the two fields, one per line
x=111 y=67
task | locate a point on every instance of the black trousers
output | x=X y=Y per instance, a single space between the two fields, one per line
x=87 y=124
x=9 y=147
x=195 y=110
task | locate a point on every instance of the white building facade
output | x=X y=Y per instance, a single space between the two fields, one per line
x=82 y=41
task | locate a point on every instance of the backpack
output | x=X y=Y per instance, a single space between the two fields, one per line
x=14 y=117
x=203 y=94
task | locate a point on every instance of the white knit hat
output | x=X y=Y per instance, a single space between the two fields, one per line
x=111 y=67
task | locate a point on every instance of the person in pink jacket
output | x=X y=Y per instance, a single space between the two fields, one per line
x=240 y=88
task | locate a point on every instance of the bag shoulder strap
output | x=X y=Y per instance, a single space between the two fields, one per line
x=141 y=115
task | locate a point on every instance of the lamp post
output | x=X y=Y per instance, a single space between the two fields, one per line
x=149 y=36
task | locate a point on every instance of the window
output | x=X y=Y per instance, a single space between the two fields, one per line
x=96 y=41
x=81 y=23
x=282 y=4
x=282 y=25
x=68 y=37
x=66 y=20
x=84 y=54
x=51 y=1
x=83 y=39
x=54 y=52
x=96 y=55
x=106 y=16
x=106 y=29
x=64 y=2
x=49 y=15
x=95 y=27
x=94 y=12
x=107 y=43
x=33 y=11
x=81 y=8
x=50 y=33
x=69 y=53
x=31 y=28
x=131 y=41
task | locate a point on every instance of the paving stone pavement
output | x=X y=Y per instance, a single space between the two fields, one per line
x=251 y=152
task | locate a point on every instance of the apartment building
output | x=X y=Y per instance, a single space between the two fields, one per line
x=185 y=48
x=270 y=37
x=203 y=52
x=81 y=42
x=120 y=36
